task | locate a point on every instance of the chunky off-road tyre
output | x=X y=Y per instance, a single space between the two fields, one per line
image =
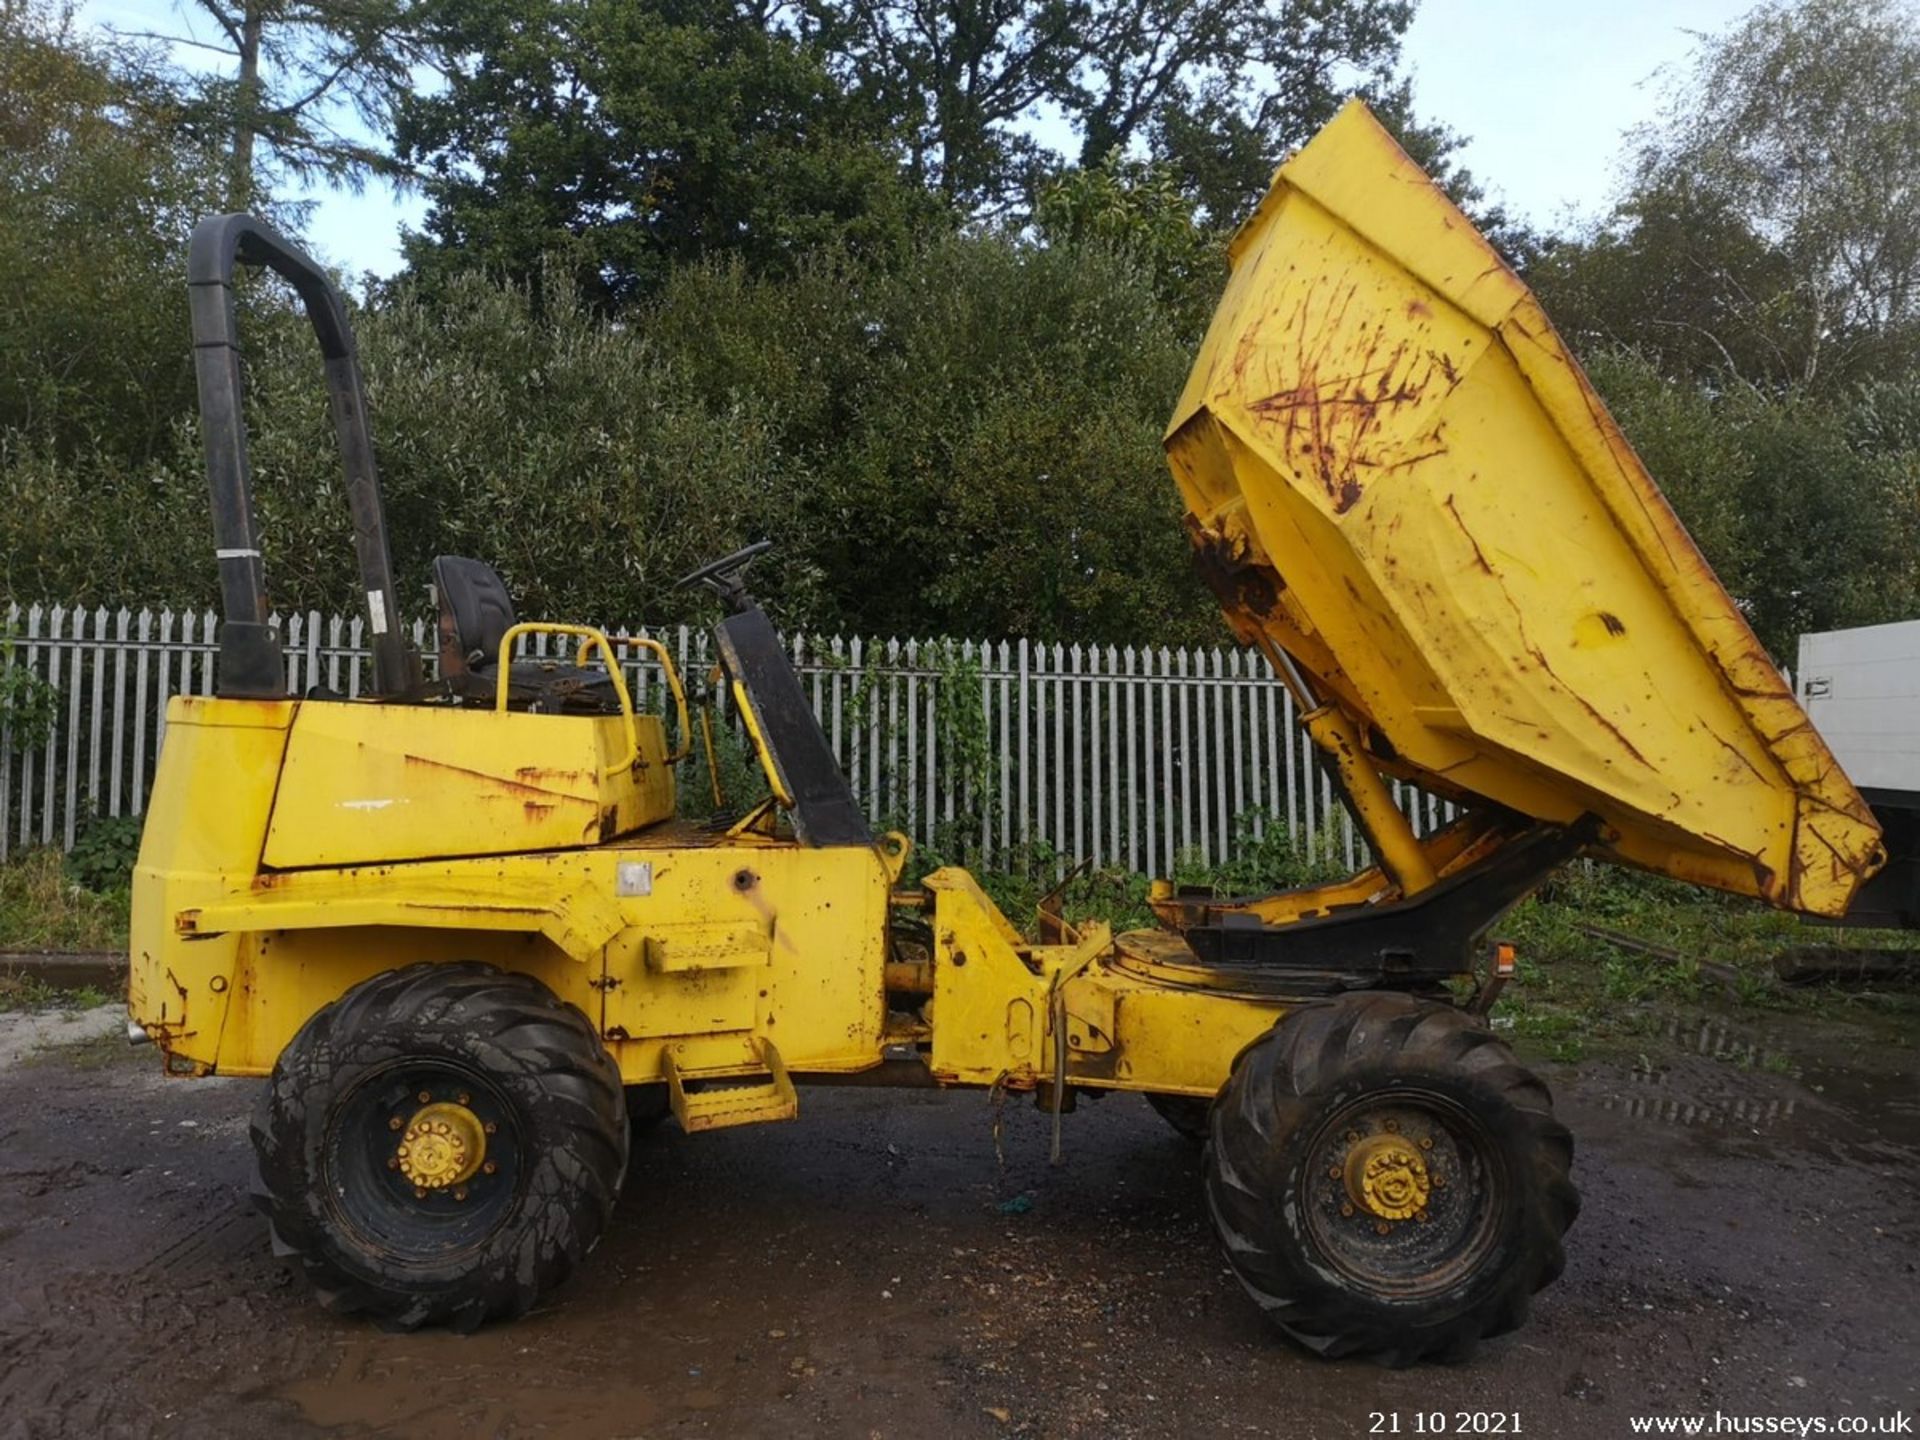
x=1387 y=1180
x=441 y=1145
x=1187 y=1114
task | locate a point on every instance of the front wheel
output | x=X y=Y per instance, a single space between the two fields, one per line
x=1387 y=1180
x=441 y=1145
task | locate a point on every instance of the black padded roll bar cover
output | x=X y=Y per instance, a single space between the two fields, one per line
x=250 y=662
x=824 y=811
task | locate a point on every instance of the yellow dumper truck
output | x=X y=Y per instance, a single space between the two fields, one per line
x=459 y=927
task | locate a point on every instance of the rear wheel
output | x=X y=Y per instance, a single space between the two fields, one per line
x=441 y=1145
x=1387 y=1180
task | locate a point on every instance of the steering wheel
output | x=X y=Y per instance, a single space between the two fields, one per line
x=724 y=576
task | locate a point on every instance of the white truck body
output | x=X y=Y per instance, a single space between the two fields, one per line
x=1861 y=688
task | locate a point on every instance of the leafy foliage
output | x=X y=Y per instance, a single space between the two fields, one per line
x=1219 y=88
x=1769 y=232
x=1808 y=510
x=104 y=853
x=98 y=190
x=629 y=136
x=299 y=68
x=1267 y=856
x=620 y=139
x=968 y=441
x=28 y=704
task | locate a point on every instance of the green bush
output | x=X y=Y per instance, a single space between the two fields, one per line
x=103 y=853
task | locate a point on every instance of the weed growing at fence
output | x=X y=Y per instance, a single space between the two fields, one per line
x=732 y=761
x=41 y=908
x=966 y=751
x=1266 y=856
x=28 y=704
x=103 y=852
x=25 y=992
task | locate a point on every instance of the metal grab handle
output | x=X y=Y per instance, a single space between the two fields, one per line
x=589 y=638
x=673 y=685
x=250 y=656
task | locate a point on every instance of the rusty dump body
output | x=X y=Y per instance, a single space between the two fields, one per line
x=1396 y=473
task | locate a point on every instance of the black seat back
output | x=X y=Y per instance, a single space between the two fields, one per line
x=824 y=811
x=475 y=610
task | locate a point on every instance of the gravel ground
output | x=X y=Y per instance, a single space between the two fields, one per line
x=1748 y=1244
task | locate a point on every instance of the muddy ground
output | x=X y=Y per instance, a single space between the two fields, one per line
x=1748 y=1244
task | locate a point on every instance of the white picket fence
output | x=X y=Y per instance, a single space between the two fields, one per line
x=1134 y=757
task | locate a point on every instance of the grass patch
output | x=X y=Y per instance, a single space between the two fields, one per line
x=29 y=992
x=97 y=1052
x=91 y=1053
x=26 y=992
x=1577 y=991
x=43 y=908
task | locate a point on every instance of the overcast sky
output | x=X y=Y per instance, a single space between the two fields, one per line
x=1543 y=89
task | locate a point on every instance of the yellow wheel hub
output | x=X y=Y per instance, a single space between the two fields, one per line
x=1386 y=1176
x=444 y=1144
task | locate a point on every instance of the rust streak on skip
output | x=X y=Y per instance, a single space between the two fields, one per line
x=1479 y=555
x=516 y=786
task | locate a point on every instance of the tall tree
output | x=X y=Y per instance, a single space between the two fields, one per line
x=1218 y=87
x=630 y=135
x=297 y=75
x=959 y=77
x=1771 y=227
x=1680 y=274
x=1808 y=505
x=98 y=187
x=626 y=136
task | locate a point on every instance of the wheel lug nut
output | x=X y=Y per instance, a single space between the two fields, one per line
x=1382 y=1228
x=488 y=1168
x=490 y=1127
x=464 y=1098
x=393 y=1164
x=419 y=1192
x=461 y=1193
x=1353 y=1137
x=395 y=1123
x=1392 y=1127
x=1333 y=1172
x=1426 y=1143
x=425 y=1096
x=1346 y=1211
x=1421 y=1216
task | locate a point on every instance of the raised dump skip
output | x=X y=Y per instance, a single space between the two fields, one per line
x=1395 y=471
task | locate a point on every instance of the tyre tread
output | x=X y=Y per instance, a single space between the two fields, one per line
x=1279 y=1086
x=513 y=1026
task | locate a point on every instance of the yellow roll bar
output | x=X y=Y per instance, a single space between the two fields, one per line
x=590 y=639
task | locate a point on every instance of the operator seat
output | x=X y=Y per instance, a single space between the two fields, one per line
x=476 y=611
